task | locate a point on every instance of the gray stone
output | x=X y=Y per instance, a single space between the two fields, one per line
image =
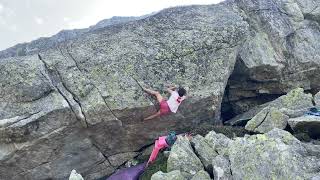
x=119 y=159
x=166 y=154
x=312 y=149
x=284 y=136
x=293 y=11
x=266 y=120
x=219 y=142
x=204 y=151
x=100 y=170
x=277 y=113
x=258 y=51
x=271 y=156
x=316 y=177
x=295 y=100
x=183 y=158
x=201 y=175
x=173 y=175
x=53 y=155
x=307 y=6
x=147 y=151
x=221 y=168
x=306 y=124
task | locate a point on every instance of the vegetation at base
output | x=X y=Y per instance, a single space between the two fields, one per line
x=159 y=165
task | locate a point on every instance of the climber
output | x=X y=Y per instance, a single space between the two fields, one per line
x=167 y=106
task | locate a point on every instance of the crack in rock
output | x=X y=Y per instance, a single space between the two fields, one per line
x=55 y=73
x=98 y=90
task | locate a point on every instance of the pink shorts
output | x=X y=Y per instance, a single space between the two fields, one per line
x=159 y=144
x=164 y=108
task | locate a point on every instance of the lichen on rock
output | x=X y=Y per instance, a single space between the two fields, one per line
x=183 y=158
x=277 y=113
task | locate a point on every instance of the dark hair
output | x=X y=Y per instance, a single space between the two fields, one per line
x=181 y=91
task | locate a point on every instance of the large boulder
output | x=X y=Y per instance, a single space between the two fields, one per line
x=183 y=158
x=275 y=155
x=281 y=52
x=92 y=85
x=306 y=124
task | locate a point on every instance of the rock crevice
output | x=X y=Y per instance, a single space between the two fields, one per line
x=99 y=91
x=74 y=105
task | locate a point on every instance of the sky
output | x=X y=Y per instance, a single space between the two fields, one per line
x=26 y=20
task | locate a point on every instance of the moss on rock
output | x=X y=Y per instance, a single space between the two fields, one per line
x=293 y=97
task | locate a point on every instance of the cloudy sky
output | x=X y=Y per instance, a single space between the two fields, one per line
x=26 y=20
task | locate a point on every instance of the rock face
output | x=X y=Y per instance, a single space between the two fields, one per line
x=280 y=53
x=277 y=113
x=86 y=89
x=79 y=103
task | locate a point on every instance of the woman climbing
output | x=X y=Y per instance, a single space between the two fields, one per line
x=167 y=106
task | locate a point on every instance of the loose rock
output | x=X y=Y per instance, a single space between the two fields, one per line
x=183 y=158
